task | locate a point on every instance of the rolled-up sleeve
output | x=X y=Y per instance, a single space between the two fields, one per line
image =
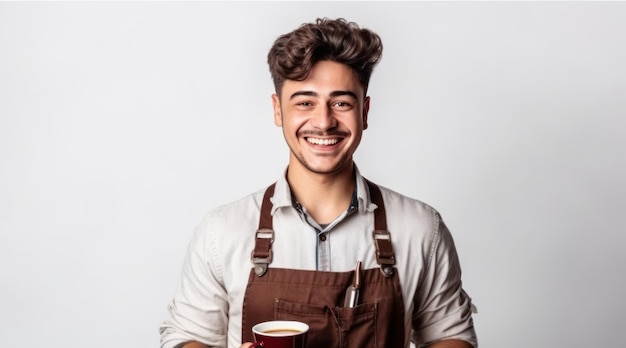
x=199 y=310
x=442 y=308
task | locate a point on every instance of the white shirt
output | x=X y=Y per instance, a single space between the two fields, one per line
x=207 y=306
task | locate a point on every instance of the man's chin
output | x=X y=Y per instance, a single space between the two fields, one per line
x=329 y=169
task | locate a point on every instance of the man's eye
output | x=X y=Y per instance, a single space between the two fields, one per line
x=342 y=105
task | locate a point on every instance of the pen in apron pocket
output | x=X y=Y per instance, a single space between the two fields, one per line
x=352 y=293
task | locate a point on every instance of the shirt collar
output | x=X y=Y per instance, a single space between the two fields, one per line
x=282 y=194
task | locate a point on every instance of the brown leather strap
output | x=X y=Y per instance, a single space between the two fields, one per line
x=266 y=221
x=380 y=215
x=382 y=239
x=262 y=253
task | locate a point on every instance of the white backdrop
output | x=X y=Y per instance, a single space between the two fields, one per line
x=122 y=124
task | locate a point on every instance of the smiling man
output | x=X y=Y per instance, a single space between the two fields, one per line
x=323 y=118
x=292 y=251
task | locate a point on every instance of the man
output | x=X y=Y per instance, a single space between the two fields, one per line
x=294 y=250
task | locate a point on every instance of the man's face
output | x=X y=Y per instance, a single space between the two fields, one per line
x=323 y=118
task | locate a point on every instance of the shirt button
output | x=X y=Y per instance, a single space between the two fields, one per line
x=323 y=237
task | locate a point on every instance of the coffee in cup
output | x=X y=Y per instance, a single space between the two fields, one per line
x=280 y=334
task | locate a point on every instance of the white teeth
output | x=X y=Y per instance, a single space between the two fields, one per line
x=318 y=141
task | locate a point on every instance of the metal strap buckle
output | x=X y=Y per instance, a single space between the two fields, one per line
x=384 y=252
x=262 y=254
x=265 y=233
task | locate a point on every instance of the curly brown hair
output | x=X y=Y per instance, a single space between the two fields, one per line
x=293 y=54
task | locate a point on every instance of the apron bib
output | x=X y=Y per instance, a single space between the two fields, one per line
x=319 y=298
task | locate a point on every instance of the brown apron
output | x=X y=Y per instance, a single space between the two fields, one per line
x=318 y=298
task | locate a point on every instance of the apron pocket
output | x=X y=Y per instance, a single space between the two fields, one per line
x=333 y=327
x=357 y=326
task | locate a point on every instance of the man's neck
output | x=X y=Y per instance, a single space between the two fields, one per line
x=324 y=196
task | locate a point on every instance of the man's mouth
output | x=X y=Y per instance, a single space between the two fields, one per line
x=322 y=141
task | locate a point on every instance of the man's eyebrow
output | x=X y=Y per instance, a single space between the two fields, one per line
x=340 y=93
x=305 y=93
x=315 y=94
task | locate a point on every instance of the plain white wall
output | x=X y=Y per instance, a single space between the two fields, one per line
x=121 y=124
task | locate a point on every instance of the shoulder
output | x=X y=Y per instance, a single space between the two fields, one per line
x=231 y=217
x=227 y=230
x=244 y=205
x=416 y=224
x=402 y=206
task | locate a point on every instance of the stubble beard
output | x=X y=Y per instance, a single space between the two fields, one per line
x=343 y=162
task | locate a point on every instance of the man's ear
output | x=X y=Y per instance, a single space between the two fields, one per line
x=278 y=116
x=366 y=110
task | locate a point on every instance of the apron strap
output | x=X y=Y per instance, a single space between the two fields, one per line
x=262 y=253
x=382 y=239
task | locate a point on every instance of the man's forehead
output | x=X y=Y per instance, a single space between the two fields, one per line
x=292 y=89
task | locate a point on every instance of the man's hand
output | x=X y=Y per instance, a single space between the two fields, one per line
x=247 y=345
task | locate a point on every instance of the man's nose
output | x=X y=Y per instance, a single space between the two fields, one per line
x=324 y=119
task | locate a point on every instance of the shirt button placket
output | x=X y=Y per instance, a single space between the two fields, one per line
x=323 y=252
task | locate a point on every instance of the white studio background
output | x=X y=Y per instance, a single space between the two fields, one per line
x=122 y=124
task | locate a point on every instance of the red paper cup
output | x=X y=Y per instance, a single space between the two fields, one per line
x=280 y=334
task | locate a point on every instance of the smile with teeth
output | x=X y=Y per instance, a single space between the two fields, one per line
x=320 y=141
